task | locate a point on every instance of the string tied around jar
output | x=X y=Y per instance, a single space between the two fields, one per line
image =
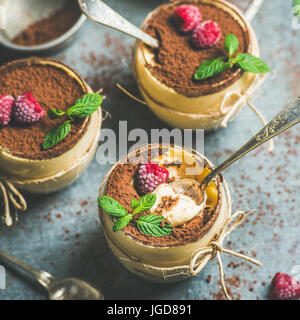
x=215 y=249
x=201 y=256
x=227 y=110
x=196 y=260
x=12 y=198
x=244 y=98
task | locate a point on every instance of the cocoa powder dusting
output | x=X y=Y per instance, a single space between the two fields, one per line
x=107 y=69
x=121 y=188
x=52 y=88
x=177 y=59
x=166 y=204
x=50 y=28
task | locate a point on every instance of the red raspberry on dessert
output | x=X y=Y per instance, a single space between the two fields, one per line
x=6 y=107
x=27 y=109
x=284 y=287
x=187 y=17
x=207 y=34
x=149 y=176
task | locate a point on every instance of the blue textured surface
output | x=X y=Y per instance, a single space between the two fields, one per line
x=61 y=233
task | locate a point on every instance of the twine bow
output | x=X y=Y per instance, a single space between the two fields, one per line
x=11 y=198
x=199 y=258
x=203 y=255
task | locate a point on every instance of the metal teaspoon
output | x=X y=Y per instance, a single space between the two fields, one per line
x=63 y=289
x=100 y=12
x=286 y=118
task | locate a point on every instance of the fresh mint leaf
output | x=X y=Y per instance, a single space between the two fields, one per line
x=55 y=114
x=145 y=203
x=251 y=64
x=232 y=61
x=296 y=8
x=247 y=62
x=231 y=44
x=152 y=225
x=122 y=222
x=85 y=106
x=56 y=135
x=133 y=203
x=210 y=68
x=111 y=206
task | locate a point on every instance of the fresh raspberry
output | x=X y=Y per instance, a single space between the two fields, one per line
x=284 y=287
x=6 y=107
x=27 y=109
x=187 y=17
x=207 y=34
x=149 y=176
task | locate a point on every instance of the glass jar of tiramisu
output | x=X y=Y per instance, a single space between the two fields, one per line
x=42 y=84
x=165 y=76
x=152 y=220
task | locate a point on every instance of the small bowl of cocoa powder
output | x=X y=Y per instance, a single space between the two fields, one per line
x=37 y=26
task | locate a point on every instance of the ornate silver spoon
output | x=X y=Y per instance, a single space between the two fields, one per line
x=100 y=12
x=64 y=289
x=286 y=118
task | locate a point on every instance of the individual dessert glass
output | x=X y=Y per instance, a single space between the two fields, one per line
x=170 y=91
x=23 y=162
x=45 y=27
x=166 y=258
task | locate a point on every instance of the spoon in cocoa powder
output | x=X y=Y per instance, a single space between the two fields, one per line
x=286 y=118
x=100 y=12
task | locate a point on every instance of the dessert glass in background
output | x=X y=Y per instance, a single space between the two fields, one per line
x=157 y=258
x=23 y=162
x=40 y=26
x=199 y=104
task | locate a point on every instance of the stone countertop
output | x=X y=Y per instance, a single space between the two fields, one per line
x=61 y=232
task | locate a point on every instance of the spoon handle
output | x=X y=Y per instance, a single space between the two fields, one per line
x=253 y=9
x=289 y=116
x=44 y=278
x=99 y=12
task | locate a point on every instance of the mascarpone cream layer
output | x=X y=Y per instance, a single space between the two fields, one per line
x=183 y=205
x=123 y=245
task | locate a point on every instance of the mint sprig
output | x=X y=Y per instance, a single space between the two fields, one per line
x=296 y=8
x=112 y=207
x=210 y=68
x=56 y=135
x=251 y=64
x=83 y=108
x=144 y=203
x=55 y=114
x=155 y=226
x=152 y=225
x=247 y=62
x=231 y=44
x=133 y=203
x=122 y=222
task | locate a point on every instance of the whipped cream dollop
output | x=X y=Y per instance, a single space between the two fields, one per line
x=179 y=201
